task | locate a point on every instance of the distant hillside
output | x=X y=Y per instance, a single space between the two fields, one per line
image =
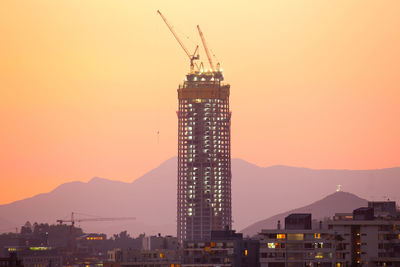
x=327 y=207
x=257 y=193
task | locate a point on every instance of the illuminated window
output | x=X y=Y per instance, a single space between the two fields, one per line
x=280 y=236
x=319 y=255
x=317 y=236
x=295 y=236
x=271 y=245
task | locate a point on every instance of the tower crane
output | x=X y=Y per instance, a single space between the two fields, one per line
x=192 y=57
x=203 y=40
x=99 y=219
x=73 y=220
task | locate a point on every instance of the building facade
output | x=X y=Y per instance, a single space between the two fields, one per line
x=281 y=248
x=370 y=236
x=224 y=249
x=298 y=245
x=12 y=260
x=204 y=156
x=368 y=239
x=143 y=258
x=160 y=242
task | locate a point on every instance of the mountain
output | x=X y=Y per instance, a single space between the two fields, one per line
x=339 y=202
x=257 y=193
x=150 y=198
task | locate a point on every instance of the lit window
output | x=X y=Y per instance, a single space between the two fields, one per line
x=295 y=236
x=319 y=255
x=280 y=236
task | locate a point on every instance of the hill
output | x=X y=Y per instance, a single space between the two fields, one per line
x=257 y=193
x=338 y=202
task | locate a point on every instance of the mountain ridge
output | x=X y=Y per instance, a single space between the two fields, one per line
x=320 y=209
x=151 y=198
x=278 y=166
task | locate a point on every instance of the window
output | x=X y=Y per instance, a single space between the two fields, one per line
x=280 y=236
x=308 y=245
x=295 y=236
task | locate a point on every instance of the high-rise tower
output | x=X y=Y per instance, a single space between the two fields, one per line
x=204 y=150
x=204 y=156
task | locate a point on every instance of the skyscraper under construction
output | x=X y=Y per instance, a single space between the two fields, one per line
x=204 y=151
x=204 y=162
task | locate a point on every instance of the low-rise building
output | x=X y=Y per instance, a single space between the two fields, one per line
x=224 y=249
x=160 y=242
x=143 y=258
x=369 y=239
x=297 y=245
x=370 y=236
x=37 y=256
x=12 y=260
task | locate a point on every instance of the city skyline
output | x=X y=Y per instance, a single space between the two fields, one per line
x=85 y=96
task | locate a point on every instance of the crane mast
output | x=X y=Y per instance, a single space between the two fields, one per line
x=192 y=57
x=203 y=40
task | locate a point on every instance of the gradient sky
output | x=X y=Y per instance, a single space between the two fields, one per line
x=86 y=85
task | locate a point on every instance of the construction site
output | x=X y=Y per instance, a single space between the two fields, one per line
x=204 y=148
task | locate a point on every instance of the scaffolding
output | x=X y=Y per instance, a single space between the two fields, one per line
x=204 y=160
x=204 y=148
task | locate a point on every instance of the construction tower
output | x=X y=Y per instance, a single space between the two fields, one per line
x=204 y=150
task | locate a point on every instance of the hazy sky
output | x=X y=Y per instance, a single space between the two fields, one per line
x=86 y=85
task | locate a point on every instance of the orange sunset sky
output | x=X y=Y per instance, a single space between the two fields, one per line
x=86 y=85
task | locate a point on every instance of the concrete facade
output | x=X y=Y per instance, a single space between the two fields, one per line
x=361 y=238
x=226 y=248
x=279 y=248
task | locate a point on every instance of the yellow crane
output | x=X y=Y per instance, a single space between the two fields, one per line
x=203 y=40
x=192 y=57
x=95 y=219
